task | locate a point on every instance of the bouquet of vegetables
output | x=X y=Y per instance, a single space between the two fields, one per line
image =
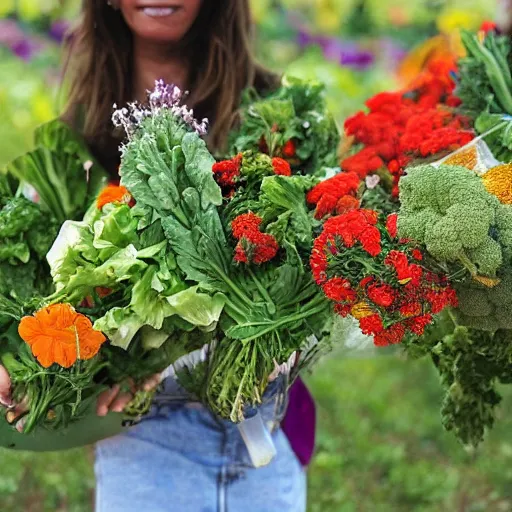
x=233 y=273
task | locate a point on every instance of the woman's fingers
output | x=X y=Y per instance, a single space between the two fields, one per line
x=122 y=400
x=17 y=414
x=105 y=400
x=113 y=400
x=20 y=424
x=152 y=382
x=5 y=388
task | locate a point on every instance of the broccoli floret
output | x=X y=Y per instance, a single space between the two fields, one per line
x=501 y=295
x=504 y=224
x=503 y=316
x=416 y=222
x=483 y=308
x=442 y=240
x=473 y=301
x=488 y=256
x=448 y=209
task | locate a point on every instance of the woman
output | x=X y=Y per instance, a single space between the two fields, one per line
x=179 y=457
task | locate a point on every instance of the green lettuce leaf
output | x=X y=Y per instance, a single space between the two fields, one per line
x=199 y=309
x=62 y=171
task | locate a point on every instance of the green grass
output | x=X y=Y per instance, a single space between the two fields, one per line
x=380 y=448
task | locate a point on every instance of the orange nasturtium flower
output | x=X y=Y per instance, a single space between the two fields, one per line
x=58 y=334
x=113 y=194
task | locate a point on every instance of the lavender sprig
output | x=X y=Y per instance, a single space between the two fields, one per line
x=163 y=96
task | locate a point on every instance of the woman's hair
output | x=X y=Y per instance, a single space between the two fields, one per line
x=99 y=68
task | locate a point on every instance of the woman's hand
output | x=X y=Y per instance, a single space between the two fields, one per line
x=15 y=412
x=111 y=400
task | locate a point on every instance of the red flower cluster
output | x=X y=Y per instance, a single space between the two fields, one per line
x=281 y=166
x=405 y=126
x=226 y=172
x=245 y=224
x=392 y=225
x=488 y=26
x=335 y=195
x=289 y=149
x=341 y=232
x=375 y=278
x=253 y=245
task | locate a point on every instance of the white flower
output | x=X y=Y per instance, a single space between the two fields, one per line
x=372 y=181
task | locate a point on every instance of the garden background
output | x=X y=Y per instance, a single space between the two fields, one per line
x=380 y=446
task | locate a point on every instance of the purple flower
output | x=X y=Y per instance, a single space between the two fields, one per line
x=360 y=59
x=304 y=39
x=58 y=30
x=347 y=53
x=23 y=49
x=162 y=97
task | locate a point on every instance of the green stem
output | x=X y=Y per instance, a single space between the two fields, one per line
x=468 y=263
x=270 y=303
x=231 y=284
x=451 y=314
x=493 y=71
x=11 y=364
x=282 y=322
x=230 y=305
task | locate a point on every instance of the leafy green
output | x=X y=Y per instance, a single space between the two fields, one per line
x=62 y=171
x=485 y=80
x=23 y=245
x=17 y=216
x=295 y=112
x=283 y=207
x=197 y=308
x=499 y=139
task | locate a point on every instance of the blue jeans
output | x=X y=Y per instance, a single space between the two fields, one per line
x=181 y=459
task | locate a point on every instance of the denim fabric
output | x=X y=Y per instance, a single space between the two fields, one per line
x=180 y=458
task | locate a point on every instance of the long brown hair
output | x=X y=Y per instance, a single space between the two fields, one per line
x=99 y=68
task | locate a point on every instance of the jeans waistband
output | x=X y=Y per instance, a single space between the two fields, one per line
x=272 y=408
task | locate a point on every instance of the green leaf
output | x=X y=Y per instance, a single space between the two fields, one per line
x=56 y=168
x=116 y=228
x=147 y=303
x=120 y=325
x=12 y=250
x=197 y=308
x=17 y=216
x=198 y=166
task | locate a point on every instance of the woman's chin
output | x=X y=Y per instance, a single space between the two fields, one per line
x=160 y=34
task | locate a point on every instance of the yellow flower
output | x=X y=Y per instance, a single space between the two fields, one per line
x=32 y=9
x=467 y=158
x=452 y=20
x=490 y=282
x=498 y=181
x=42 y=108
x=361 y=310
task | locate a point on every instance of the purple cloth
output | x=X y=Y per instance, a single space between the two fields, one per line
x=299 y=424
